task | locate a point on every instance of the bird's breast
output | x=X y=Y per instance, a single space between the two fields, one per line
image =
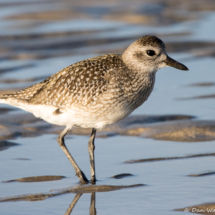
x=139 y=91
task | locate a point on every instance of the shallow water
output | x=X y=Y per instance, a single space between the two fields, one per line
x=37 y=52
x=168 y=186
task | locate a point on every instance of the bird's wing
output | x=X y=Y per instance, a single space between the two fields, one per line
x=82 y=82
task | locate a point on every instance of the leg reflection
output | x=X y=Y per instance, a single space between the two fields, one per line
x=93 y=204
x=75 y=200
x=72 y=205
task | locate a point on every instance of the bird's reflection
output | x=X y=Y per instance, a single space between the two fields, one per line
x=92 y=210
x=93 y=204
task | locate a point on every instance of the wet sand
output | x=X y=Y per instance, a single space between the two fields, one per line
x=75 y=189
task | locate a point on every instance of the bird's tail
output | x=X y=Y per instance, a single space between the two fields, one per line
x=3 y=99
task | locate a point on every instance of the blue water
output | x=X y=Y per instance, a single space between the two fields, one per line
x=168 y=186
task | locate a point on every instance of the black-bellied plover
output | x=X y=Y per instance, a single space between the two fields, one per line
x=96 y=92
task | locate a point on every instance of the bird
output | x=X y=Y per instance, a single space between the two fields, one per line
x=96 y=92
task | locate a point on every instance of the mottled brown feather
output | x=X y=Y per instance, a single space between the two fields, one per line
x=81 y=82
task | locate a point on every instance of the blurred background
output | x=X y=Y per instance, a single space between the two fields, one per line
x=40 y=37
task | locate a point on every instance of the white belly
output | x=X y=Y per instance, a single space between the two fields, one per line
x=72 y=117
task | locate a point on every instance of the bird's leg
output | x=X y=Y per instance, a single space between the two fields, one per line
x=61 y=143
x=91 y=148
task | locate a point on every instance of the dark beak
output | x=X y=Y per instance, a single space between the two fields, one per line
x=173 y=63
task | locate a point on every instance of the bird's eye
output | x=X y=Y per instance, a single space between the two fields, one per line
x=150 y=52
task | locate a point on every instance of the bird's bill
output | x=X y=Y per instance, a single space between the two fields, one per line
x=173 y=63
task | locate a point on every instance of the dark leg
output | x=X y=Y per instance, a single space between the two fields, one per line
x=72 y=205
x=91 y=148
x=93 y=204
x=61 y=143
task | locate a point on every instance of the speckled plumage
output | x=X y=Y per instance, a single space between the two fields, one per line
x=96 y=92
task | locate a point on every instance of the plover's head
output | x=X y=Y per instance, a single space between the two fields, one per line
x=148 y=54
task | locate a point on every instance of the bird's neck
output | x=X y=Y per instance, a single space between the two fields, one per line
x=144 y=81
x=142 y=87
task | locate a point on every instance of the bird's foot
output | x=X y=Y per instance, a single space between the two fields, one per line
x=82 y=177
x=93 y=179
